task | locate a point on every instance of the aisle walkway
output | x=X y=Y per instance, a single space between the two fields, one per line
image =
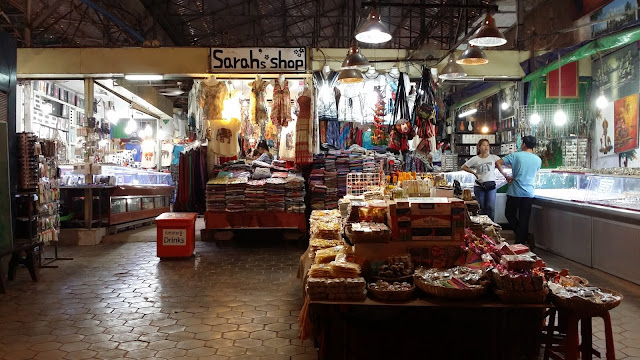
x=118 y=300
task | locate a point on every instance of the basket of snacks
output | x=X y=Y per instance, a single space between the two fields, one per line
x=459 y=282
x=397 y=269
x=367 y=232
x=517 y=285
x=396 y=291
x=584 y=299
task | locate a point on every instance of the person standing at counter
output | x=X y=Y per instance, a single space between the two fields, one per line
x=483 y=166
x=524 y=166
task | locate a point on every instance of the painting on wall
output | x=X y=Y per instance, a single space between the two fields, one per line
x=604 y=132
x=625 y=129
x=626 y=9
x=617 y=73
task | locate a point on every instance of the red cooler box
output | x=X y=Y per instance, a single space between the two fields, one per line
x=176 y=234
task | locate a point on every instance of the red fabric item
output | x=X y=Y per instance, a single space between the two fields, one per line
x=227 y=159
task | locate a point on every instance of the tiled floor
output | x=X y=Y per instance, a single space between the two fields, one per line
x=117 y=300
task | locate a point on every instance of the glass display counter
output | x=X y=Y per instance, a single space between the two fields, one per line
x=118 y=195
x=592 y=219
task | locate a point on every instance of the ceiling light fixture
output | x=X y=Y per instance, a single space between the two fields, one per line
x=354 y=58
x=142 y=77
x=350 y=76
x=504 y=105
x=452 y=70
x=488 y=34
x=560 y=117
x=473 y=56
x=111 y=113
x=373 y=31
x=535 y=118
x=467 y=113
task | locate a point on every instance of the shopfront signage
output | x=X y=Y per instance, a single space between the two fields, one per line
x=174 y=237
x=258 y=60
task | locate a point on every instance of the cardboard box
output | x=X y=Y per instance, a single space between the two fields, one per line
x=431 y=221
x=443 y=192
x=82 y=169
x=430 y=206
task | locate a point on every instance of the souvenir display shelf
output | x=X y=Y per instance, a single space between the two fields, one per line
x=589 y=218
x=120 y=195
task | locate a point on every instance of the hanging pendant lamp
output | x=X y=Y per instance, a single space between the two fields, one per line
x=354 y=58
x=373 y=31
x=452 y=70
x=488 y=34
x=473 y=56
x=350 y=76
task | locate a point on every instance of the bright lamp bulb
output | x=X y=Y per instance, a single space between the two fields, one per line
x=161 y=134
x=131 y=127
x=485 y=129
x=560 y=118
x=534 y=119
x=373 y=37
x=111 y=116
x=148 y=132
x=602 y=102
x=504 y=105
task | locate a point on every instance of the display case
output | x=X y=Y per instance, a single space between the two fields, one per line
x=592 y=219
x=119 y=195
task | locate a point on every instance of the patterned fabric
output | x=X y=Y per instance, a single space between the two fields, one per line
x=350 y=105
x=259 y=111
x=303 y=129
x=211 y=99
x=281 y=107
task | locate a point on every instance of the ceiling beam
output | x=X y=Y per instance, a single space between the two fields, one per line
x=46 y=13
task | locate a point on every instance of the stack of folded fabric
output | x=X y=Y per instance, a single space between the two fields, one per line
x=318 y=194
x=355 y=162
x=279 y=163
x=235 y=194
x=331 y=182
x=254 y=195
x=342 y=165
x=318 y=161
x=216 y=197
x=280 y=174
x=330 y=163
x=369 y=164
x=274 y=194
x=316 y=177
x=294 y=194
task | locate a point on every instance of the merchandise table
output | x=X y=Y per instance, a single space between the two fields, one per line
x=255 y=219
x=426 y=328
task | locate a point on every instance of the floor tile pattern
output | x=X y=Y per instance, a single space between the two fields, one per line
x=117 y=300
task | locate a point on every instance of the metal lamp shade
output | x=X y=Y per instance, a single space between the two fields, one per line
x=354 y=58
x=350 y=76
x=473 y=56
x=488 y=34
x=452 y=70
x=373 y=31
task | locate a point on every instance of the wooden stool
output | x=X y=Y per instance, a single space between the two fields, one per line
x=563 y=337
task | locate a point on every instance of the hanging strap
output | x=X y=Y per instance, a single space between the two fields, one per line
x=401 y=107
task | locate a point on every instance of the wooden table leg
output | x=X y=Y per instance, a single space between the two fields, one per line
x=572 y=336
x=88 y=208
x=608 y=335
x=586 y=348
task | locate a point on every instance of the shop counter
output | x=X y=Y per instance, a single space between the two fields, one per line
x=217 y=220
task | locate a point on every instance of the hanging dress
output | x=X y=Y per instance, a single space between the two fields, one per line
x=259 y=111
x=325 y=85
x=350 y=104
x=303 y=129
x=369 y=95
x=281 y=107
x=212 y=99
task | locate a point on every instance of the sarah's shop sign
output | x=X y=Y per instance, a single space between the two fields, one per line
x=256 y=60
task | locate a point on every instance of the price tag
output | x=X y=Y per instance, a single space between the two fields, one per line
x=174 y=237
x=606 y=186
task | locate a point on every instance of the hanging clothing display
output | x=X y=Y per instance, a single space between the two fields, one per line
x=281 y=106
x=350 y=104
x=288 y=135
x=224 y=137
x=167 y=155
x=212 y=99
x=192 y=181
x=194 y=109
x=325 y=85
x=303 y=153
x=392 y=90
x=369 y=97
x=345 y=132
x=259 y=111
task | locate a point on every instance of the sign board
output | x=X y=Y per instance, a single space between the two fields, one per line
x=174 y=237
x=258 y=60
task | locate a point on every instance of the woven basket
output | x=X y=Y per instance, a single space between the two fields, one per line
x=449 y=293
x=580 y=305
x=408 y=278
x=520 y=297
x=391 y=295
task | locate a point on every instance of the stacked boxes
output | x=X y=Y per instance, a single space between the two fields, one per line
x=428 y=219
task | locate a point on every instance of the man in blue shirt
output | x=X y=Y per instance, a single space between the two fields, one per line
x=524 y=166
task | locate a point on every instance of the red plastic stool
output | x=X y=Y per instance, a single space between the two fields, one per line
x=563 y=337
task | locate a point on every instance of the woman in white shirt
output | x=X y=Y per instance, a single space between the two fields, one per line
x=483 y=167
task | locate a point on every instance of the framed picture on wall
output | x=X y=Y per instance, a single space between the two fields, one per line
x=565 y=88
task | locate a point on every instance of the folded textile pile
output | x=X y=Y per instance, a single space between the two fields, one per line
x=294 y=194
x=274 y=194
x=254 y=195
x=235 y=194
x=216 y=199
